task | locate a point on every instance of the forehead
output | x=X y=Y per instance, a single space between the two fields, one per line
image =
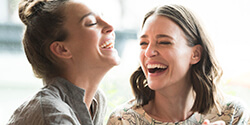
x=83 y=4
x=160 y=24
x=75 y=8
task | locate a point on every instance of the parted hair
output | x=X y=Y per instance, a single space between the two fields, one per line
x=204 y=75
x=43 y=20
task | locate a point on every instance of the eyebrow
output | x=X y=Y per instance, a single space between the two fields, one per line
x=144 y=36
x=84 y=16
x=158 y=36
x=163 y=35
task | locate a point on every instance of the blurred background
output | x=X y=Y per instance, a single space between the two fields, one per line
x=226 y=21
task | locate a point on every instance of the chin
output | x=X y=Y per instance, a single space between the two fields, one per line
x=116 y=61
x=110 y=62
x=152 y=86
x=110 y=57
x=155 y=86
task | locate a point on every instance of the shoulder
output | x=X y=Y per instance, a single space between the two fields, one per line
x=233 y=106
x=125 y=108
x=40 y=109
x=233 y=111
x=236 y=109
x=127 y=114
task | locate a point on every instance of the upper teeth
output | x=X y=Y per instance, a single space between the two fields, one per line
x=151 y=66
x=104 y=45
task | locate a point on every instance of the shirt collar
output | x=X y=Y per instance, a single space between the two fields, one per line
x=68 y=88
x=73 y=96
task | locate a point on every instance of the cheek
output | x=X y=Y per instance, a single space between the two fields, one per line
x=182 y=64
x=90 y=41
x=90 y=35
x=186 y=58
x=141 y=55
x=142 y=59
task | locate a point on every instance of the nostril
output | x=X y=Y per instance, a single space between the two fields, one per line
x=108 y=29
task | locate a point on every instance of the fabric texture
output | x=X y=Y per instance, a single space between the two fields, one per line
x=234 y=112
x=60 y=103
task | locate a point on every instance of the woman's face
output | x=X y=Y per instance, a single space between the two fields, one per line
x=164 y=57
x=90 y=39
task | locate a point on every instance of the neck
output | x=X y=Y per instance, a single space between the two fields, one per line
x=171 y=106
x=88 y=80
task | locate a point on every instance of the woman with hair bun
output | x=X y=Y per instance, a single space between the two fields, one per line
x=70 y=48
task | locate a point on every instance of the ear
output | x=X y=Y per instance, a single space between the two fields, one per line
x=196 y=54
x=60 y=50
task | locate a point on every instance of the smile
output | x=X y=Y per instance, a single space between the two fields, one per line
x=107 y=44
x=156 y=68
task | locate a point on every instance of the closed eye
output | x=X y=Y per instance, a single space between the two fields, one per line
x=143 y=43
x=91 y=24
x=90 y=20
x=165 y=43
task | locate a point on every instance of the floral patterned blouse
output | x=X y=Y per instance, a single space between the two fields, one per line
x=233 y=113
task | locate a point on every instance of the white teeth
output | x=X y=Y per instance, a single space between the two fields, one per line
x=107 y=44
x=152 y=66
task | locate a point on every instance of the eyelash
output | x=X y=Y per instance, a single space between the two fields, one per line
x=165 y=43
x=92 y=24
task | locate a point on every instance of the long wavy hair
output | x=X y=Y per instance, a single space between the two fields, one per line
x=204 y=75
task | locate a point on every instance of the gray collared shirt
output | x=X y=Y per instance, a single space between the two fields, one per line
x=60 y=103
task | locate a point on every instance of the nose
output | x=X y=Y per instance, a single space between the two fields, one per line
x=107 y=28
x=151 y=51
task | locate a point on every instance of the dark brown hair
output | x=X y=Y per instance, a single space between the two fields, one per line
x=204 y=75
x=44 y=25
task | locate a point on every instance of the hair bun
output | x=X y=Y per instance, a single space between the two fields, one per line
x=29 y=8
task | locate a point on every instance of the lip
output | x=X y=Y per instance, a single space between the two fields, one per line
x=156 y=74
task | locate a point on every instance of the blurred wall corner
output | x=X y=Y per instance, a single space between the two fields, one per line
x=122 y=36
x=10 y=27
x=4 y=11
x=10 y=37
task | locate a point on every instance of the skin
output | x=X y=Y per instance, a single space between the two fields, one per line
x=83 y=62
x=163 y=42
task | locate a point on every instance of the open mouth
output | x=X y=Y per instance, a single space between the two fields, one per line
x=107 y=44
x=156 y=68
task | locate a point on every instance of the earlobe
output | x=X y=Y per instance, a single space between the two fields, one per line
x=60 y=50
x=196 y=55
